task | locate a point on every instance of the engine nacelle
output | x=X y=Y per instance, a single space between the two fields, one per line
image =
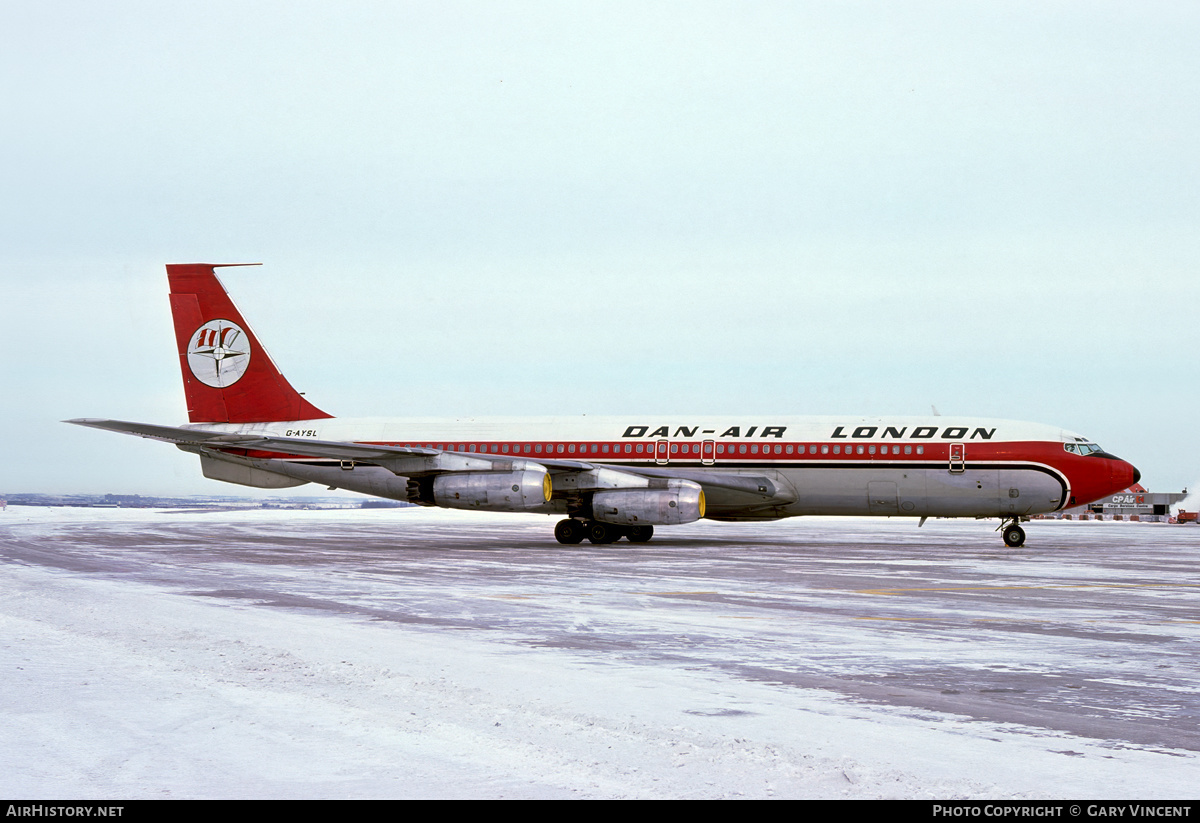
x=681 y=502
x=493 y=491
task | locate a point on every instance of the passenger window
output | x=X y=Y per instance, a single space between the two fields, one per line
x=824 y=450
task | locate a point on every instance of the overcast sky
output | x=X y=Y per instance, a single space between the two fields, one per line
x=604 y=208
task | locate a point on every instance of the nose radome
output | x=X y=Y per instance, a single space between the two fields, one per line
x=1123 y=473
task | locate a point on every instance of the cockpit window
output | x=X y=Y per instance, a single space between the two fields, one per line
x=1082 y=448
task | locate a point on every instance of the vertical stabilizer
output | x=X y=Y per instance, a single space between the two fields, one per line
x=228 y=377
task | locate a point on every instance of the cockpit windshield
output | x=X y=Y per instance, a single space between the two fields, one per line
x=1082 y=448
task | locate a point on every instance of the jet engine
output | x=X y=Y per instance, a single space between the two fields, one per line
x=681 y=502
x=492 y=491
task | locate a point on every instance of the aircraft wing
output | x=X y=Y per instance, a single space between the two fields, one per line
x=738 y=489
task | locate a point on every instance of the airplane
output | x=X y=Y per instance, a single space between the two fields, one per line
x=608 y=478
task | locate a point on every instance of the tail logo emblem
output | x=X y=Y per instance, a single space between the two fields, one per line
x=219 y=353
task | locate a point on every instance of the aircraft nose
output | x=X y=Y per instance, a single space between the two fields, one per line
x=1126 y=474
x=1123 y=473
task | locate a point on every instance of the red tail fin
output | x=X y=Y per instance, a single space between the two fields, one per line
x=227 y=375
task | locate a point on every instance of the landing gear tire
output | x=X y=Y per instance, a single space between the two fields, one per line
x=640 y=534
x=603 y=533
x=568 y=532
x=1014 y=536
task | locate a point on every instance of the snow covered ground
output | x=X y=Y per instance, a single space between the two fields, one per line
x=427 y=653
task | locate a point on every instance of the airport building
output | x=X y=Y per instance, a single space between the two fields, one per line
x=1133 y=503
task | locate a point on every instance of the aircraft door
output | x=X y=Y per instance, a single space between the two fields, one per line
x=708 y=452
x=958 y=458
x=661 y=455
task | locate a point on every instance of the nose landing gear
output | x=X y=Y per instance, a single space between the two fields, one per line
x=1014 y=535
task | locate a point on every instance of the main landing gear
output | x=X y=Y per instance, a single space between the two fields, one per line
x=1014 y=535
x=573 y=531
